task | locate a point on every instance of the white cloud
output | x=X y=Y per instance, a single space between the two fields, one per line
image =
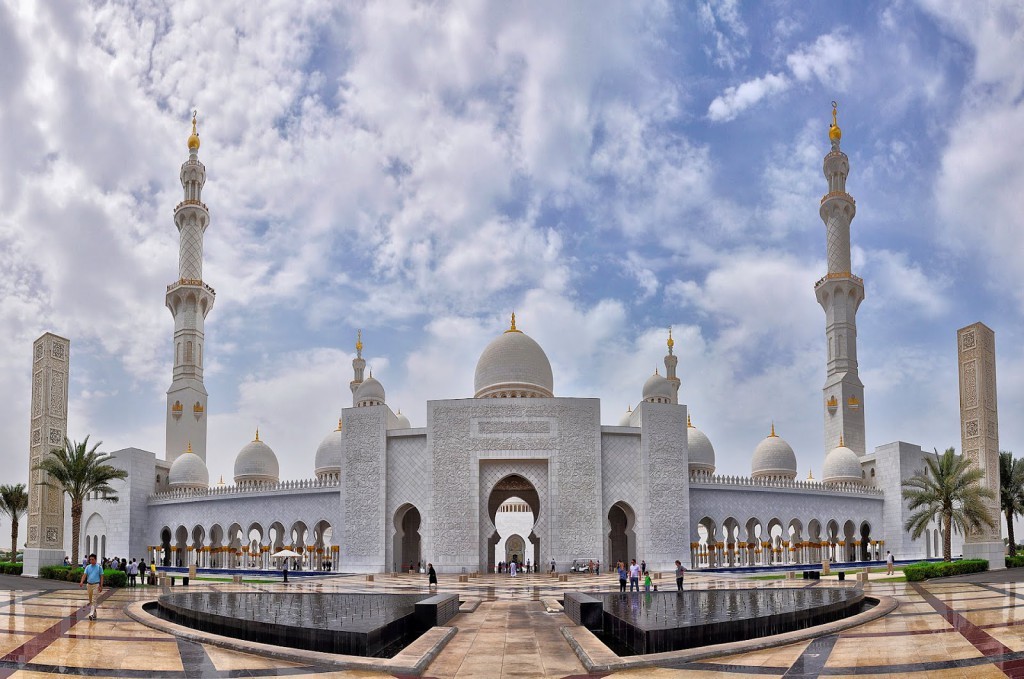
x=735 y=100
x=827 y=60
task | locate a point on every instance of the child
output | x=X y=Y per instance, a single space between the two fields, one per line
x=647 y=582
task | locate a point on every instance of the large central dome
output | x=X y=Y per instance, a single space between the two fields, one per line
x=513 y=366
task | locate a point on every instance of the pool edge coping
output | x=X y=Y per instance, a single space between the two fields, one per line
x=580 y=638
x=409 y=660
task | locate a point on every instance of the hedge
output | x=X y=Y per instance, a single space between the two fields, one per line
x=926 y=570
x=8 y=568
x=111 y=578
x=1015 y=561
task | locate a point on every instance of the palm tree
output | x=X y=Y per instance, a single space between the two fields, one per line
x=948 y=492
x=14 y=503
x=1011 y=492
x=77 y=471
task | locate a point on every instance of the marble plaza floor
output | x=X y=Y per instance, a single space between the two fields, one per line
x=512 y=628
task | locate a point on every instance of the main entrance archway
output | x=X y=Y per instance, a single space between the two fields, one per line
x=621 y=536
x=406 y=547
x=512 y=486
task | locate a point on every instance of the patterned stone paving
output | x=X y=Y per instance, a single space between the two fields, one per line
x=941 y=629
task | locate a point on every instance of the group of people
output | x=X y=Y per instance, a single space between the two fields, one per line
x=635 y=571
x=132 y=569
x=513 y=567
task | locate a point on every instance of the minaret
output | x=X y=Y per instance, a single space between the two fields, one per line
x=189 y=300
x=358 y=365
x=671 y=360
x=840 y=293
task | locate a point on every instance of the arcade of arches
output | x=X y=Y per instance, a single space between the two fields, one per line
x=248 y=547
x=756 y=543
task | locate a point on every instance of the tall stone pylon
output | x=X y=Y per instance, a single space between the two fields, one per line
x=51 y=356
x=979 y=432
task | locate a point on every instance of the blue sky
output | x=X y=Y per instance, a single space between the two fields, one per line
x=418 y=171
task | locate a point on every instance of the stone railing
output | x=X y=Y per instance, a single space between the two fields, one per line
x=845 y=275
x=191 y=281
x=749 y=482
x=247 y=489
x=838 y=194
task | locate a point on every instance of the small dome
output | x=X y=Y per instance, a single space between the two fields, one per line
x=702 y=453
x=189 y=471
x=370 y=392
x=403 y=421
x=330 y=454
x=256 y=463
x=624 y=420
x=658 y=389
x=774 y=458
x=513 y=365
x=841 y=466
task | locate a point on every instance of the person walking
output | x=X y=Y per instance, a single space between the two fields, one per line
x=679 y=575
x=552 y=565
x=512 y=569
x=634 y=576
x=92 y=576
x=647 y=582
x=431 y=576
x=889 y=563
x=597 y=568
x=622 y=576
x=527 y=566
x=643 y=566
x=152 y=572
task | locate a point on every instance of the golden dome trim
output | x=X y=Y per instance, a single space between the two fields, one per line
x=193 y=140
x=834 y=132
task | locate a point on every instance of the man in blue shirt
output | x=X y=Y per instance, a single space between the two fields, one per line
x=92 y=577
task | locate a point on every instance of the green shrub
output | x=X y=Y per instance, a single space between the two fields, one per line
x=924 y=570
x=8 y=568
x=111 y=578
x=1015 y=561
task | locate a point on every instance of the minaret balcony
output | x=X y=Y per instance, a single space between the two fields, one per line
x=190 y=282
x=197 y=203
x=839 y=275
x=838 y=194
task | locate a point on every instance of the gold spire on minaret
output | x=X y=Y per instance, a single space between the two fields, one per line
x=359 y=343
x=193 y=140
x=512 y=327
x=671 y=342
x=834 y=133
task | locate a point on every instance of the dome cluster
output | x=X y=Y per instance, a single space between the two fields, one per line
x=188 y=472
x=256 y=464
x=513 y=365
x=841 y=466
x=774 y=459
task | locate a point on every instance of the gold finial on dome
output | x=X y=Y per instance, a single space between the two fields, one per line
x=257 y=434
x=359 y=341
x=193 y=140
x=834 y=133
x=773 y=435
x=221 y=482
x=189 y=449
x=841 y=444
x=689 y=423
x=810 y=475
x=339 y=425
x=512 y=327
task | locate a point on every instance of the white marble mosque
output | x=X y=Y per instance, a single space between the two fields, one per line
x=513 y=469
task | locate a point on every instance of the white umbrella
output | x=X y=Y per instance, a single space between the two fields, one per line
x=285 y=553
